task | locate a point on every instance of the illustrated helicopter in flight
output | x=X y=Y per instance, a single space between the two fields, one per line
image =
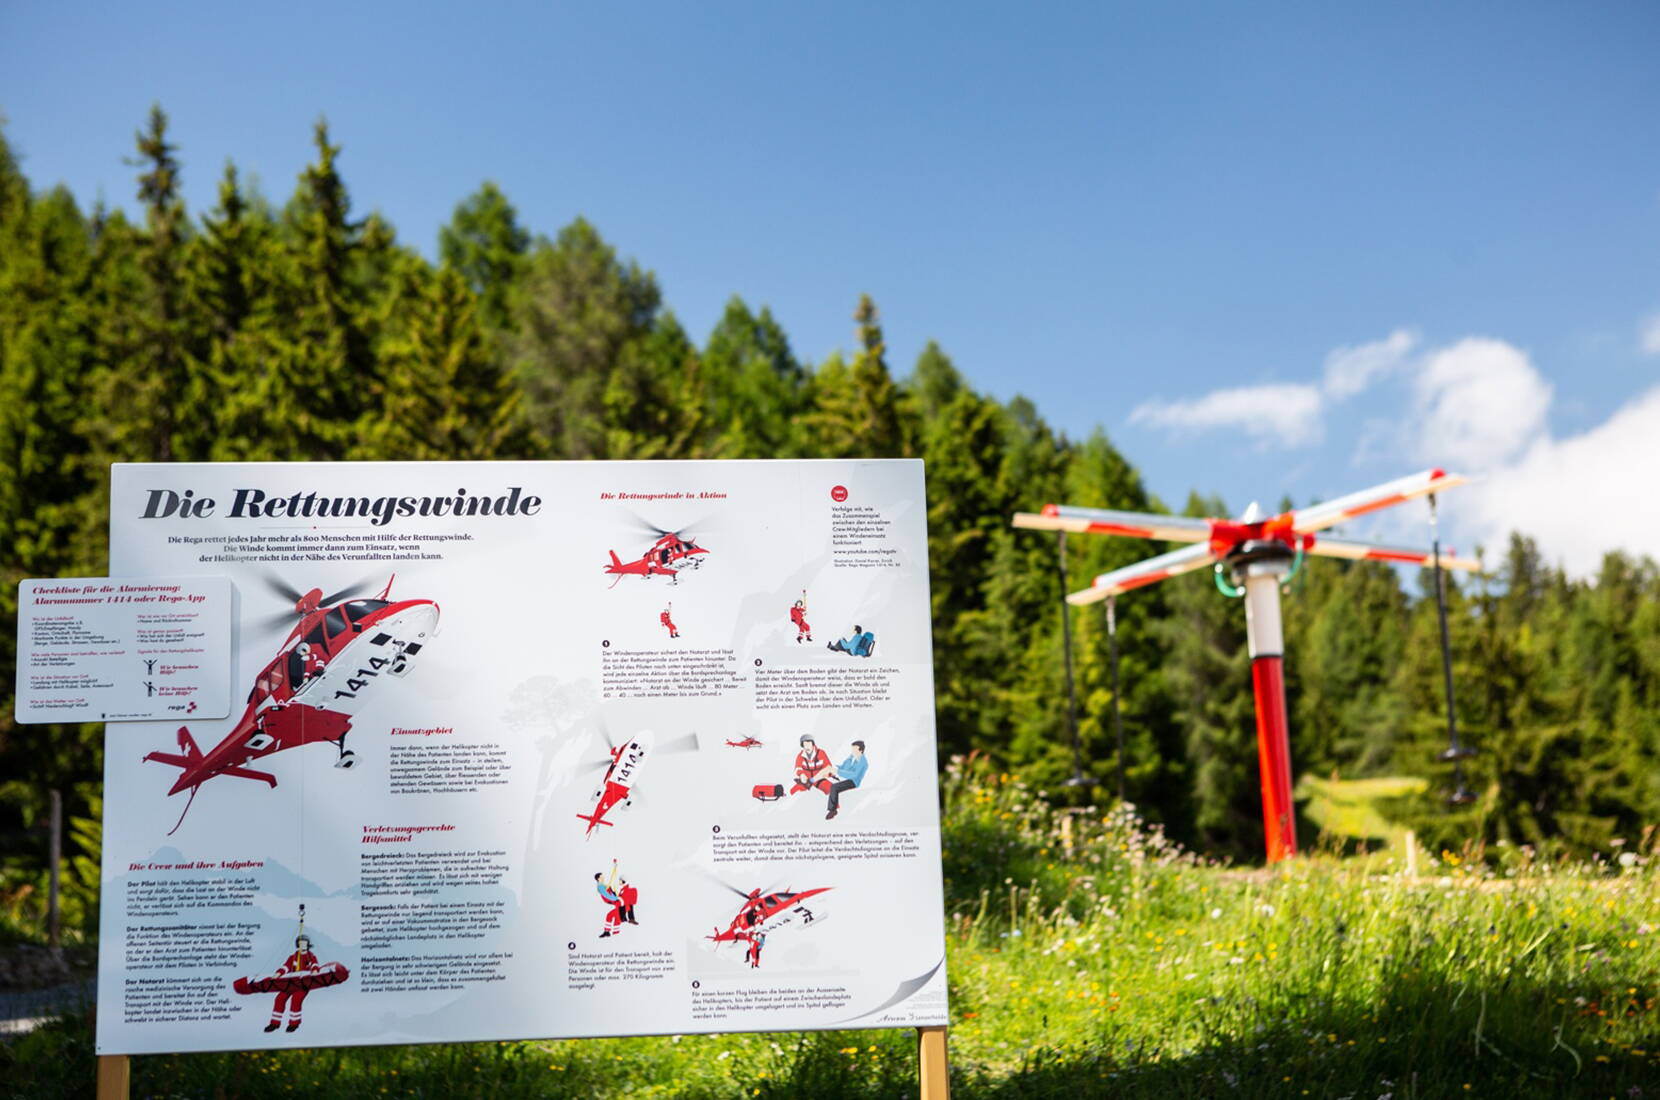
x=671 y=554
x=330 y=664
x=622 y=773
x=745 y=743
x=764 y=912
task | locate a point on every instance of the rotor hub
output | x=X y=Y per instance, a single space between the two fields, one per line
x=1257 y=557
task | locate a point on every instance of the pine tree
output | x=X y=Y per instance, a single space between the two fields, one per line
x=579 y=311
x=446 y=397
x=235 y=289
x=856 y=405
x=654 y=399
x=46 y=260
x=755 y=389
x=485 y=243
x=1207 y=673
x=322 y=381
x=148 y=374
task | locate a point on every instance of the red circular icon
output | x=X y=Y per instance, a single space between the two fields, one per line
x=839 y=493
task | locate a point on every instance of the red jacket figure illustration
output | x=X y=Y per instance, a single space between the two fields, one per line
x=798 y=616
x=298 y=975
x=812 y=767
x=668 y=623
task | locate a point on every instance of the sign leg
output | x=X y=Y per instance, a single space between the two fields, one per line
x=933 y=1064
x=114 y=1076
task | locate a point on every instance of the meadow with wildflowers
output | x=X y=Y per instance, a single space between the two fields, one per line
x=1092 y=956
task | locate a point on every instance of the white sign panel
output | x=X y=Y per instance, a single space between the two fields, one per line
x=114 y=649
x=531 y=750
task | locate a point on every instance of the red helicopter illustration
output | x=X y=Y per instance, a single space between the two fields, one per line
x=622 y=773
x=764 y=912
x=669 y=556
x=745 y=743
x=327 y=668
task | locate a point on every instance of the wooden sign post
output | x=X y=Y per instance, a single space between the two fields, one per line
x=933 y=1064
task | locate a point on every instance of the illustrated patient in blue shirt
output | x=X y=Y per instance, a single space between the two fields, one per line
x=850 y=773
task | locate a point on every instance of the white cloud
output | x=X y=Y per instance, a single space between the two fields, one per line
x=1284 y=415
x=1273 y=415
x=1578 y=497
x=1650 y=338
x=1351 y=370
x=1480 y=402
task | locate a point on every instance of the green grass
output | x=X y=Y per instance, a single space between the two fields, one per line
x=1121 y=968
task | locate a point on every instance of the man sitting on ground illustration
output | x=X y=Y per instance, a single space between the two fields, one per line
x=861 y=643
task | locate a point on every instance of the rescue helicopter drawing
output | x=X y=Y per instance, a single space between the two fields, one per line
x=764 y=912
x=622 y=773
x=745 y=743
x=1260 y=552
x=672 y=553
x=327 y=668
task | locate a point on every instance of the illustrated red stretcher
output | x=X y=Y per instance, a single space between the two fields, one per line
x=326 y=975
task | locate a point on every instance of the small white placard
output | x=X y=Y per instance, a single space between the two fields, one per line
x=105 y=649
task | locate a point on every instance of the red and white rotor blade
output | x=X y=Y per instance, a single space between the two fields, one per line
x=1371 y=551
x=1103 y=521
x=1318 y=516
x=1143 y=573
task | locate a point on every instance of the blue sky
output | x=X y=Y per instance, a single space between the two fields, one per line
x=1271 y=249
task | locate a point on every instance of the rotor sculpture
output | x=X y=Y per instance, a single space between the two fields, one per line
x=1251 y=557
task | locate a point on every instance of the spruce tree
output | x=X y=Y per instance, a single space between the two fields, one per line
x=580 y=310
x=855 y=410
x=485 y=243
x=446 y=398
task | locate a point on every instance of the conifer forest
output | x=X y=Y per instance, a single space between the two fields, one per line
x=300 y=326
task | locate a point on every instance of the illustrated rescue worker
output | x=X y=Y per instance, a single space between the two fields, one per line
x=302 y=961
x=612 y=900
x=629 y=895
x=812 y=767
x=798 y=616
x=757 y=940
x=668 y=623
x=311 y=661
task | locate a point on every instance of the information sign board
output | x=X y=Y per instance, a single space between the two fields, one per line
x=109 y=649
x=530 y=750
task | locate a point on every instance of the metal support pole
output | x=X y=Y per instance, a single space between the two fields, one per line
x=1266 y=642
x=1117 y=709
x=1077 y=779
x=1454 y=751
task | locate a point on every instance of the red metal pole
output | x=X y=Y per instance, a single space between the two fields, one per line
x=1274 y=757
x=1267 y=646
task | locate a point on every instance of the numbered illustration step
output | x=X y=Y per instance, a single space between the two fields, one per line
x=669 y=673
x=816 y=688
x=724 y=1002
x=862 y=846
x=590 y=969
